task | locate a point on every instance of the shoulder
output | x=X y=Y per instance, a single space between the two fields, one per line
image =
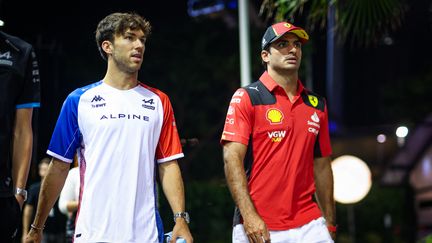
x=16 y=41
x=163 y=96
x=80 y=91
x=313 y=100
x=259 y=94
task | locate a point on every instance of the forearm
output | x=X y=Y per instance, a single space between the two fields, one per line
x=237 y=182
x=172 y=185
x=324 y=190
x=22 y=147
x=27 y=214
x=50 y=190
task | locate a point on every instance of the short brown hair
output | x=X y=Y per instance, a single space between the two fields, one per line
x=119 y=23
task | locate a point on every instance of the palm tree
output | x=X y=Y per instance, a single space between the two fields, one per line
x=363 y=22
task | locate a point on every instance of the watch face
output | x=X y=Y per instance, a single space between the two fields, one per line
x=21 y=192
x=184 y=215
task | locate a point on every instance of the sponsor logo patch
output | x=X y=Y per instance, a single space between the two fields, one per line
x=313 y=100
x=276 y=136
x=274 y=116
x=97 y=99
x=239 y=93
x=235 y=100
x=148 y=104
x=231 y=110
x=314 y=126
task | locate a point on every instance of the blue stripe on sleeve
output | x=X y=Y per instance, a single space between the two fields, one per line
x=28 y=105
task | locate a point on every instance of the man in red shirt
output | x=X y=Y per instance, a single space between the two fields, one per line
x=276 y=149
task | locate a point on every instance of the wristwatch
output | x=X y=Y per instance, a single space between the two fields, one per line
x=184 y=215
x=21 y=192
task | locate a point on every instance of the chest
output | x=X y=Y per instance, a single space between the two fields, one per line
x=117 y=111
x=284 y=119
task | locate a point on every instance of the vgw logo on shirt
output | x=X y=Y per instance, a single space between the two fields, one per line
x=276 y=136
x=97 y=99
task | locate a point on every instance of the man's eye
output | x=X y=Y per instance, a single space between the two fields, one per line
x=297 y=44
x=282 y=44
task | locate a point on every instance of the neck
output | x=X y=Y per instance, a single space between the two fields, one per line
x=286 y=79
x=120 y=79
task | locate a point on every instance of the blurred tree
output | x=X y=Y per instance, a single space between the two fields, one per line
x=364 y=22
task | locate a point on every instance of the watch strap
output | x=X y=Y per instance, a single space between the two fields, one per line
x=184 y=215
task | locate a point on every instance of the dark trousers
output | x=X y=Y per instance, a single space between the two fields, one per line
x=10 y=218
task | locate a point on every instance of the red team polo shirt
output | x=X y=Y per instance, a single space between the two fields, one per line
x=283 y=137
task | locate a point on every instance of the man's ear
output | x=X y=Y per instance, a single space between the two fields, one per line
x=265 y=56
x=107 y=47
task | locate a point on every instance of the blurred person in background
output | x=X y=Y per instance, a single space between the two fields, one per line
x=69 y=200
x=276 y=149
x=54 y=231
x=19 y=94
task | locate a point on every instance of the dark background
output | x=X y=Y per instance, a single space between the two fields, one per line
x=196 y=62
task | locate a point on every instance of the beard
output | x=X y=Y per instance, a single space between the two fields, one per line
x=123 y=65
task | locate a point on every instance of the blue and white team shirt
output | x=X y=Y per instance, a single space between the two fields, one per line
x=119 y=136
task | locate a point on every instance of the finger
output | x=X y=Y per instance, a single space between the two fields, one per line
x=256 y=238
x=266 y=236
x=252 y=238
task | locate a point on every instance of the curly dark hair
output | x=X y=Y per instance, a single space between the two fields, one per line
x=119 y=23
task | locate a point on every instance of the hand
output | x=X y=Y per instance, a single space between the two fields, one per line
x=256 y=229
x=20 y=200
x=34 y=236
x=23 y=238
x=181 y=229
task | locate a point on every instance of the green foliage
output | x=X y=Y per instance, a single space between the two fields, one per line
x=427 y=239
x=364 y=22
x=369 y=216
x=211 y=209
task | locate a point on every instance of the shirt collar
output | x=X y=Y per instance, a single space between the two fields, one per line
x=270 y=84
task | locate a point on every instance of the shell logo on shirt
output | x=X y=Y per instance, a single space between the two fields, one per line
x=313 y=100
x=274 y=116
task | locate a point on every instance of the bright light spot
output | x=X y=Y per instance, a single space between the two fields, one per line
x=381 y=138
x=402 y=131
x=388 y=40
x=352 y=179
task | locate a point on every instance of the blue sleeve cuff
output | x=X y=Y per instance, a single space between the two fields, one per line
x=28 y=105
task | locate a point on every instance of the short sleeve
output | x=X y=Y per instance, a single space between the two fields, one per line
x=169 y=146
x=30 y=95
x=239 y=119
x=66 y=136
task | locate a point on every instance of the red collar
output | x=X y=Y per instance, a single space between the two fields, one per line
x=270 y=84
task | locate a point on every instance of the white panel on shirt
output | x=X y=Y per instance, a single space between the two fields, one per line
x=120 y=131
